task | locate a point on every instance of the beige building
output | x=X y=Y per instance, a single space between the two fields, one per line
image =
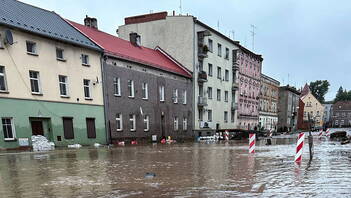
x=313 y=107
x=206 y=52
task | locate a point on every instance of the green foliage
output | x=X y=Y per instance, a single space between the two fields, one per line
x=319 y=88
x=342 y=95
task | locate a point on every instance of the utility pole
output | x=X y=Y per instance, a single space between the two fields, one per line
x=253 y=36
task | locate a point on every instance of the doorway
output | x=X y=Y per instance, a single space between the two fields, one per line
x=37 y=128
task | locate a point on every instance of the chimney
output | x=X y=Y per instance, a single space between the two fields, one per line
x=90 y=22
x=135 y=39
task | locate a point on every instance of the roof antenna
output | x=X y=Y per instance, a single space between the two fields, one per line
x=253 y=36
x=180 y=7
x=218 y=25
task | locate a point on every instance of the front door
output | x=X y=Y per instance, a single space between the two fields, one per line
x=37 y=128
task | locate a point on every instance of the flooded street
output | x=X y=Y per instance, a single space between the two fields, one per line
x=182 y=170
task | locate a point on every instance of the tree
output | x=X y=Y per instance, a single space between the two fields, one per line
x=319 y=88
x=342 y=95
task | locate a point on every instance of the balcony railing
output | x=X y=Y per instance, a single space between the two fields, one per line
x=202 y=77
x=202 y=101
x=234 y=106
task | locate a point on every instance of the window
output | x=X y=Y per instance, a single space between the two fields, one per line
x=91 y=130
x=209 y=115
x=210 y=45
x=146 y=123
x=185 y=124
x=219 y=50
x=68 y=128
x=209 y=92
x=130 y=88
x=145 y=91
x=119 y=122
x=226 y=116
x=31 y=47
x=175 y=123
x=8 y=128
x=117 y=86
x=200 y=114
x=175 y=96
x=87 y=89
x=226 y=96
x=85 y=59
x=132 y=122
x=63 y=85
x=226 y=75
x=35 y=82
x=161 y=90
x=3 y=85
x=210 y=69
x=226 y=53
x=184 y=97
x=232 y=116
x=219 y=73
x=59 y=54
x=218 y=95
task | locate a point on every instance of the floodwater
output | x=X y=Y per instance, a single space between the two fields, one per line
x=182 y=170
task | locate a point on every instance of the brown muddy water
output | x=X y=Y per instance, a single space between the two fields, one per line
x=182 y=170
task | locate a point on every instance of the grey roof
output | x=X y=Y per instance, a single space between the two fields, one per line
x=40 y=21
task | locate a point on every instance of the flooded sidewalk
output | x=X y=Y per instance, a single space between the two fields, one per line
x=181 y=170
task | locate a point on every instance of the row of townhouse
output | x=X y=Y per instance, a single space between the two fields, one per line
x=165 y=75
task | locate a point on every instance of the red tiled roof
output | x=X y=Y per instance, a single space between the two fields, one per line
x=124 y=49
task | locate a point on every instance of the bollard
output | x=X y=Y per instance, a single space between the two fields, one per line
x=299 y=147
x=320 y=133
x=252 y=142
x=327 y=132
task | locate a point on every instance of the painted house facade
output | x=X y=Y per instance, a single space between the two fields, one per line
x=213 y=58
x=147 y=92
x=49 y=79
x=268 y=109
x=341 y=112
x=313 y=108
x=287 y=108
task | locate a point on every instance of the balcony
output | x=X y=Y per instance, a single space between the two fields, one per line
x=202 y=101
x=202 y=77
x=235 y=86
x=202 y=51
x=234 y=106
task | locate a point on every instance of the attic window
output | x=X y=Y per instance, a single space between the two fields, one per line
x=59 y=54
x=85 y=59
x=31 y=47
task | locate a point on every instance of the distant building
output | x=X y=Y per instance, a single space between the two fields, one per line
x=50 y=79
x=269 y=96
x=327 y=114
x=287 y=108
x=313 y=108
x=341 y=112
x=146 y=91
x=219 y=64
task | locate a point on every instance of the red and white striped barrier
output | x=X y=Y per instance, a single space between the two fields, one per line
x=299 y=147
x=327 y=132
x=320 y=133
x=252 y=142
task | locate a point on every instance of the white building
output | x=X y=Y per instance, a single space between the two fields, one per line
x=204 y=51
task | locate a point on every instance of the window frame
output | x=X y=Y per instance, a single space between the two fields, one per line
x=13 y=129
x=34 y=48
x=185 y=124
x=146 y=123
x=210 y=45
x=227 y=53
x=117 y=86
x=209 y=93
x=210 y=69
x=219 y=49
x=209 y=115
x=226 y=75
x=83 y=58
x=131 y=90
x=37 y=79
x=184 y=97
x=219 y=95
x=175 y=123
x=175 y=96
x=119 y=118
x=219 y=72
x=225 y=117
x=226 y=96
x=3 y=75
x=145 y=91
x=161 y=91
x=89 y=89
x=132 y=122
x=62 y=52
x=63 y=84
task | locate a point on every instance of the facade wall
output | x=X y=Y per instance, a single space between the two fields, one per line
x=341 y=114
x=51 y=114
x=153 y=107
x=178 y=35
x=268 y=108
x=287 y=108
x=249 y=88
x=48 y=106
x=327 y=114
x=314 y=108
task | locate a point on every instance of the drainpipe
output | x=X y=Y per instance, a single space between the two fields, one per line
x=194 y=80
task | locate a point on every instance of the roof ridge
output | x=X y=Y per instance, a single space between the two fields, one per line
x=35 y=6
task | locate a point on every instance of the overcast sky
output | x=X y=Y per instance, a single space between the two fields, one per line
x=301 y=41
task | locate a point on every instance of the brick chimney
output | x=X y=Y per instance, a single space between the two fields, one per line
x=90 y=22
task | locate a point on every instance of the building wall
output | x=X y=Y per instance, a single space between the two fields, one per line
x=268 y=108
x=18 y=63
x=22 y=111
x=49 y=107
x=152 y=106
x=314 y=108
x=341 y=114
x=178 y=35
x=287 y=108
x=249 y=87
x=327 y=113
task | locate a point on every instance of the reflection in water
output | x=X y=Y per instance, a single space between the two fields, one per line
x=184 y=170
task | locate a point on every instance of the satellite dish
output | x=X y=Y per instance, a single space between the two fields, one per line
x=8 y=37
